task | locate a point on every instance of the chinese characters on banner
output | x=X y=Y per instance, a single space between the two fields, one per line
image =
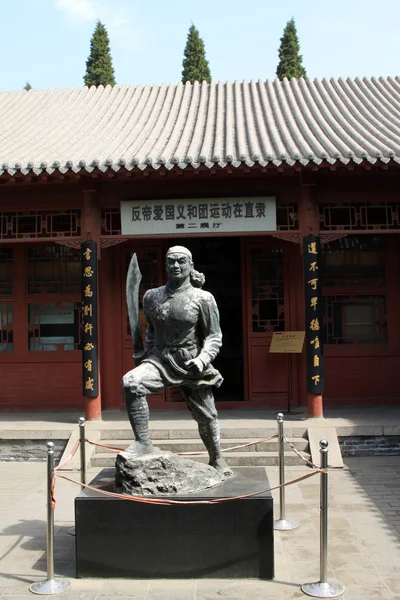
x=210 y=215
x=90 y=377
x=312 y=289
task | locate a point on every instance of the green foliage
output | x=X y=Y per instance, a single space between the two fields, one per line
x=290 y=61
x=99 y=68
x=27 y=86
x=195 y=64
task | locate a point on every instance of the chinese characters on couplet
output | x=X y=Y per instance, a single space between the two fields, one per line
x=312 y=288
x=90 y=378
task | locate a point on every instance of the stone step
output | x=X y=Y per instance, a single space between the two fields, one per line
x=234 y=459
x=184 y=433
x=196 y=445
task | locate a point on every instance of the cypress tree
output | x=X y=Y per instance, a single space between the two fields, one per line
x=290 y=61
x=27 y=86
x=99 y=68
x=195 y=64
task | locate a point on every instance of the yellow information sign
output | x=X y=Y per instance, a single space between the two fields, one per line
x=287 y=342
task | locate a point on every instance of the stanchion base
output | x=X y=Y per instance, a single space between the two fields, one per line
x=71 y=531
x=50 y=586
x=285 y=525
x=323 y=590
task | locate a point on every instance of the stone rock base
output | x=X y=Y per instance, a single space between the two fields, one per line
x=162 y=473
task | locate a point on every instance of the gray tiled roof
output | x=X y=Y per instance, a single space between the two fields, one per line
x=219 y=123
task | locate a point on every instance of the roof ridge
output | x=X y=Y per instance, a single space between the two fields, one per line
x=274 y=80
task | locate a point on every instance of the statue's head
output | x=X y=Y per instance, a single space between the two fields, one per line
x=179 y=263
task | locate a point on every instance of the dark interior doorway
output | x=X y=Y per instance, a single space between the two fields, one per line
x=220 y=261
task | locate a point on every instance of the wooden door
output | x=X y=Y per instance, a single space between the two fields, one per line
x=266 y=310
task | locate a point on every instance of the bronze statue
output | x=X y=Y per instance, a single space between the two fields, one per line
x=183 y=336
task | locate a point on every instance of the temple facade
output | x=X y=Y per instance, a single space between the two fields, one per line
x=287 y=195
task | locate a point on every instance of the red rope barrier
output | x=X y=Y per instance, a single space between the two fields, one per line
x=70 y=457
x=104 y=446
x=308 y=462
x=232 y=447
x=148 y=500
x=52 y=491
x=199 y=453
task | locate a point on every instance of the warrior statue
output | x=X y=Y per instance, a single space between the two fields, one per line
x=183 y=336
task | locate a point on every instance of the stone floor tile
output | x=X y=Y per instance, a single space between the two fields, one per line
x=122 y=597
x=29 y=594
x=339 y=523
x=393 y=584
x=268 y=590
x=206 y=596
x=170 y=595
x=76 y=594
x=363 y=577
x=221 y=587
x=350 y=561
x=357 y=592
x=167 y=589
x=124 y=587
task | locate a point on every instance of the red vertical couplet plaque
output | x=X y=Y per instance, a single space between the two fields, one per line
x=312 y=291
x=90 y=371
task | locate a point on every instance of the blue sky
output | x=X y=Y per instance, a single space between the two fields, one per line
x=46 y=42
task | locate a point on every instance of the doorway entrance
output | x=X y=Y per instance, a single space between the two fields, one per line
x=220 y=260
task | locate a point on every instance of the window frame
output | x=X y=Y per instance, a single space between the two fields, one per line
x=389 y=290
x=21 y=300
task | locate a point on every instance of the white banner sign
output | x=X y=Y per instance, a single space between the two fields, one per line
x=211 y=216
x=50 y=343
x=52 y=316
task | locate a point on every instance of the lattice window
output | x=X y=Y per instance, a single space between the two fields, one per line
x=6 y=330
x=53 y=270
x=267 y=290
x=354 y=262
x=54 y=326
x=355 y=320
x=110 y=221
x=287 y=217
x=6 y=258
x=40 y=224
x=359 y=217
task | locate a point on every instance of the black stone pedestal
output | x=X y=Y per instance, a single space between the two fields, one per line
x=120 y=538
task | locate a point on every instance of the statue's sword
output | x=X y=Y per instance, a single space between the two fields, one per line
x=133 y=280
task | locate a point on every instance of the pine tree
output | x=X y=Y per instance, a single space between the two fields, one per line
x=99 y=68
x=195 y=64
x=27 y=86
x=290 y=61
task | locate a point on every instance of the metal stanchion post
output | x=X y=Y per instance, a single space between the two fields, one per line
x=82 y=436
x=282 y=524
x=50 y=585
x=323 y=588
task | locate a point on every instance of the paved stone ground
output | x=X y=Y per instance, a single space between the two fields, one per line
x=364 y=547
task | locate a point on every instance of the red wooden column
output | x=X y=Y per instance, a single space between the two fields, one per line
x=91 y=227
x=309 y=225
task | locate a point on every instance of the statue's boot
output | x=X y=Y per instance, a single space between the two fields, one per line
x=209 y=433
x=138 y=413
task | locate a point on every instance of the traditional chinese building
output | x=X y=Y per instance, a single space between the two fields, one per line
x=287 y=194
